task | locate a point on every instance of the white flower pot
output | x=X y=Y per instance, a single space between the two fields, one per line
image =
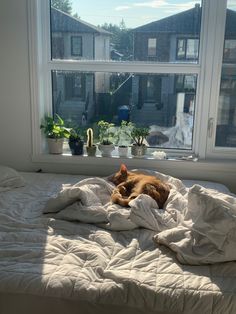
x=123 y=151
x=55 y=146
x=106 y=150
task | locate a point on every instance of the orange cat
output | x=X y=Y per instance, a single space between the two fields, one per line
x=131 y=184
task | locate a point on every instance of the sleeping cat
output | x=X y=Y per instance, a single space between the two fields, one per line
x=131 y=184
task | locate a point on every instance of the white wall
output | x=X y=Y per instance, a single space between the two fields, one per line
x=15 y=116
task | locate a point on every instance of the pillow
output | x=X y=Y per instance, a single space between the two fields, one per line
x=10 y=179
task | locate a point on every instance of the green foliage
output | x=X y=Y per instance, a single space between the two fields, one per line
x=138 y=135
x=54 y=128
x=75 y=134
x=63 y=5
x=121 y=38
x=106 y=132
x=124 y=133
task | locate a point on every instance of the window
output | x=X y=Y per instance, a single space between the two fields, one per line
x=165 y=87
x=230 y=51
x=152 y=47
x=187 y=48
x=76 y=45
x=226 y=116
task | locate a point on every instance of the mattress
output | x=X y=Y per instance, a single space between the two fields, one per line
x=50 y=265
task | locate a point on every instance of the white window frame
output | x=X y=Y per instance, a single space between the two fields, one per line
x=211 y=44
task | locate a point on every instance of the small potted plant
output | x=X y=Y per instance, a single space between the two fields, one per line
x=106 y=137
x=90 y=148
x=138 y=136
x=55 y=132
x=124 y=134
x=76 y=144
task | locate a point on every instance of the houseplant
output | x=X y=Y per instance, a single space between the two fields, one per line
x=124 y=135
x=76 y=143
x=106 y=138
x=55 y=132
x=90 y=148
x=138 y=136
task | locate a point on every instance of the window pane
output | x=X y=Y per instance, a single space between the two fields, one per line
x=126 y=32
x=152 y=46
x=226 y=120
x=165 y=103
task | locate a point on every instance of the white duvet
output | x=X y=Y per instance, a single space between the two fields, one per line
x=198 y=224
x=45 y=256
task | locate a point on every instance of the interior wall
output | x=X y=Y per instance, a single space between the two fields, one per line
x=15 y=125
x=15 y=115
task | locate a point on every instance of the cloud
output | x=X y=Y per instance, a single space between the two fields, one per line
x=122 y=8
x=231 y=4
x=171 y=7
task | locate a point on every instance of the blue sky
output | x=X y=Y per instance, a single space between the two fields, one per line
x=134 y=12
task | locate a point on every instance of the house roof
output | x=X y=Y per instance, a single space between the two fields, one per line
x=186 y=22
x=63 y=22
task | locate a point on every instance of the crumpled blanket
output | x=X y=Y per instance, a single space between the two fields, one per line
x=207 y=233
x=198 y=224
x=89 y=201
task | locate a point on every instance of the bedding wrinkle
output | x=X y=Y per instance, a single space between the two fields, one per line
x=116 y=257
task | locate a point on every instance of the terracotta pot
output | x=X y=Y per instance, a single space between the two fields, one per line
x=91 y=150
x=55 y=146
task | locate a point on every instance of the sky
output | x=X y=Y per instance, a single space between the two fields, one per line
x=133 y=12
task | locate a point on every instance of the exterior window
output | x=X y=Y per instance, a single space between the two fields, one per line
x=76 y=45
x=187 y=48
x=152 y=47
x=230 y=51
x=226 y=119
x=157 y=85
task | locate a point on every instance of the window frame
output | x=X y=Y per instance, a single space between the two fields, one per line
x=211 y=39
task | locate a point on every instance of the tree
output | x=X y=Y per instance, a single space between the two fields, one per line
x=63 y=5
x=121 y=38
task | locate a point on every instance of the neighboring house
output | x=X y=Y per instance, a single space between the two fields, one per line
x=73 y=38
x=172 y=39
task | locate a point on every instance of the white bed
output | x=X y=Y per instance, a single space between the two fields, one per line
x=49 y=265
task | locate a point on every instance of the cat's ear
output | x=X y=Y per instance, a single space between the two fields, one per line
x=123 y=169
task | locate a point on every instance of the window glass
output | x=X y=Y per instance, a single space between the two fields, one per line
x=119 y=31
x=76 y=45
x=152 y=46
x=164 y=103
x=226 y=119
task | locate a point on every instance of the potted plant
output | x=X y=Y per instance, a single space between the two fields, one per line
x=106 y=137
x=76 y=144
x=90 y=148
x=124 y=135
x=55 y=132
x=138 y=136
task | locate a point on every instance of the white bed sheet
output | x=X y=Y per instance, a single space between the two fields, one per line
x=82 y=265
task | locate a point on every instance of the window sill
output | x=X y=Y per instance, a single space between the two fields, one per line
x=169 y=164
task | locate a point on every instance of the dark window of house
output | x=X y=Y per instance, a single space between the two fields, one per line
x=57 y=47
x=187 y=48
x=76 y=45
x=74 y=86
x=230 y=51
x=152 y=47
